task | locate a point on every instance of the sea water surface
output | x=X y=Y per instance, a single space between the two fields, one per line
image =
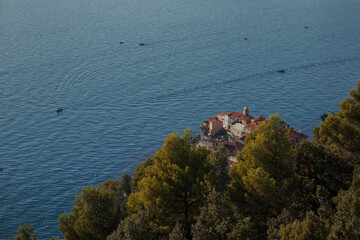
x=120 y=101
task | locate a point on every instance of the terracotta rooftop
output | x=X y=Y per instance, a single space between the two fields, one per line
x=251 y=126
x=298 y=133
x=237 y=115
x=242 y=138
x=214 y=119
x=226 y=113
x=259 y=118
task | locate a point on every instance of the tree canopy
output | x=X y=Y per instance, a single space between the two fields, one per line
x=97 y=212
x=174 y=187
x=342 y=130
x=261 y=181
x=25 y=232
x=278 y=190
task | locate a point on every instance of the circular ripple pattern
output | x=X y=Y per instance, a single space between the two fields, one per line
x=121 y=100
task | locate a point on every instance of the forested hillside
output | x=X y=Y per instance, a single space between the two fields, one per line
x=278 y=190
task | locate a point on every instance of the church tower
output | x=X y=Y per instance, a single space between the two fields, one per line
x=246 y=111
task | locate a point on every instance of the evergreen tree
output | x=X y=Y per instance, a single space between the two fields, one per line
x=263 y=178
x=245 y=229
x=177 y=233
x=215 y=219
x=322 y=166
x=139 y=173
x=97 y=212
x=342 y=130
x=312 y=227
x=136 y=227
x=218 y=173
x=25 y=232
x=346 y=221
x=174 y=188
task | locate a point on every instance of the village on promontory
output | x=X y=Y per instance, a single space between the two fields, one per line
x=229 y=129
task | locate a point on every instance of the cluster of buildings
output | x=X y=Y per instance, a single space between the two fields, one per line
x=229 y=129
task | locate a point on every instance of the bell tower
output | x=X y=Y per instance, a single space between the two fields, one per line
x=246 y=111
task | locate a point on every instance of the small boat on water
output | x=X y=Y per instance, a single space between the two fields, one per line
x=97 y=175
x=59 y=109
x=1 y=168
x=121 y=42
x=281 y=70
x=141 y=44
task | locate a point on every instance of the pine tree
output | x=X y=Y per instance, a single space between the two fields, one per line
x=136 y=227
x=342 y=130
x=25 y=232
x=312 y=227
x=174 y=187
x=346 y=221
x=215 y=219
x=264 y=174
x=97 y=212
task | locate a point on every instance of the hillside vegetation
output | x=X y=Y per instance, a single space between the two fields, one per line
x=278 y=190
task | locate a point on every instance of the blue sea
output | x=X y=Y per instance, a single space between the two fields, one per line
x=120 y=101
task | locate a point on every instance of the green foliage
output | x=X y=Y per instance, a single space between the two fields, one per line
x=346 y=222
x=276 y=191
x=321 y=166
x=174 y=188
x=312 y=227
x=97 y=211
x=218 y=174
x=285 y=217
x=177 y=233
x=136 y=227
x=262 y=179
x=342 y=130
x=320 y=174
x=245 y=229
x=214 y=221
x=139 y=173
x=25 y=232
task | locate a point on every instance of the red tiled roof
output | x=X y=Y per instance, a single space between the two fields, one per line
x=252 y=126
x=233 y=159
x=297 y=133
x=259 y=118
x=214 y=119
x=242 y=138
x=231 y=162
x=237 y=115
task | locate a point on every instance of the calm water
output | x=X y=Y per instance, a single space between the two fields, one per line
x=121 y=100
